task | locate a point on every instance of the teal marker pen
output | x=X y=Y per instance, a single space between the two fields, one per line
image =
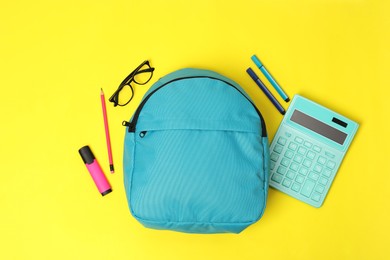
x=270 y=78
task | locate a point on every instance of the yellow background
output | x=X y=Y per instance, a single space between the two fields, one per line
x=56 y=55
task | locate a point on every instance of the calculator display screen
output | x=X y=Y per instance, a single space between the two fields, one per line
x=318 y=127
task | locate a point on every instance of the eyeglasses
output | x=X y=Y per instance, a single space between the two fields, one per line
x=124 y=94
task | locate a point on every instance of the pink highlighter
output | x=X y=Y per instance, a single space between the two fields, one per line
x=94 y=169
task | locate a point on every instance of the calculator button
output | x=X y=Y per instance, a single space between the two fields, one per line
x=323 y=181
x=277 y=177
x=298 y=158
x=282 y=170
x=306 y=163
x=331 y=165
x=303 y=171
x=282 y=140
x=299 y=179
x=316 y=196
x=321 y=160
x=296 y=187
x=274 y=157
x=290 y=175
x=278 y=149
x=298 y=140
x=310 y=155
x=302 y=150
x=272 y=165
x=314 y=176
x=317 y=148
x=288 y=154
x=307 y=188
x=294 y=166
x=327 y=173
x=330 y=155
x=285 y=162
x=293 y=146
x=287 y=183
x=307 y=144
x=287 y=134
x=320 y=188
x=318 y=168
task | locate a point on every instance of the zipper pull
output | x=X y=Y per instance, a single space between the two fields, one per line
x=130 y=125
x=125 y=123
x=142 y=134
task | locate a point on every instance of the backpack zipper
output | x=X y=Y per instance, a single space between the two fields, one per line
x=133 y=123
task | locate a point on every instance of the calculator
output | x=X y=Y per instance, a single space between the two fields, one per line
x=307 y=150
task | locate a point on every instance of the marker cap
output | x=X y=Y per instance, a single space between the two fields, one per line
x=257 y=61
x=86 y=154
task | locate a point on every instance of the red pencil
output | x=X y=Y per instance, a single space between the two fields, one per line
x=107 y=131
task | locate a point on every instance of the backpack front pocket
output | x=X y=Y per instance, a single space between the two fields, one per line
x=198 y=176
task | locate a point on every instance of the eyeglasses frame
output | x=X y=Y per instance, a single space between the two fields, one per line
x=126 y=82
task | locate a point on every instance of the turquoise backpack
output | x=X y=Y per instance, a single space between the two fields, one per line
x=196 y=155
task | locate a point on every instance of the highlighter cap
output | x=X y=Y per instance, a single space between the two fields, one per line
x=257 y=61
x=86 y=154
